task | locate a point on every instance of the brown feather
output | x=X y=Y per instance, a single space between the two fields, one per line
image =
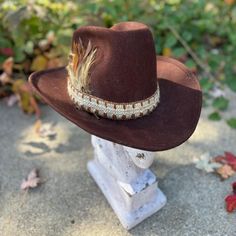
x=80 y=62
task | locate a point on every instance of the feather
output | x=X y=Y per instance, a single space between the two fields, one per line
x=80 y=61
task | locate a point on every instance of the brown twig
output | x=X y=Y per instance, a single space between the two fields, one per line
x=195 y=57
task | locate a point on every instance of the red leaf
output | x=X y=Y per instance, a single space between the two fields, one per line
x=231 y=159
x=234 y=187
x=220 y=159
x=6 y=51
x=230 y=203
x=230 y=200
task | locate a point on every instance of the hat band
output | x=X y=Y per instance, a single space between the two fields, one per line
x=113 y=110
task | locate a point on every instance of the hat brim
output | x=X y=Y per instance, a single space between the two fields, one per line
x=169 y=125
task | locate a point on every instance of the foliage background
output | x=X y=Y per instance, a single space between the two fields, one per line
x=37 y=35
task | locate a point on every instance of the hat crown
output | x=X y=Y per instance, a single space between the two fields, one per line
x=124 y=66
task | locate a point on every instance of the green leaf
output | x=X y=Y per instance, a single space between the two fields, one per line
x=231 y=83
x=170 y=41
x=187 y=35
x=232 y=123
x=206 y=84
x=5 y=43
x=2 y=59
x=190 y=63
x=178 y=52
x=220 y=103
x=215 y=116
x=19 y=55
x=29 y=47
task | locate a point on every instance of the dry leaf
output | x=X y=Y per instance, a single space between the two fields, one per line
x=205 y=163
x=229 y=158
x=230 y=200
x=234 y=187
x=39 y=63
x=54 y=62
x=167 y=52
x=8 y=66
x=32 y=180
x=229 y=2
x=230 y=203
x=27 y=101
x=5 y=78
x=225 y=171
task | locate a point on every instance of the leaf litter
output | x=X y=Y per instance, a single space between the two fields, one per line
x=32 y=180
x=230 y=200
x=223 y=165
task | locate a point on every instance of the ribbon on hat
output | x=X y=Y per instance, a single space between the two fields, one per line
x=113 y=110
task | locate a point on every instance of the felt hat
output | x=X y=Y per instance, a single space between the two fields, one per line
x=115 y=87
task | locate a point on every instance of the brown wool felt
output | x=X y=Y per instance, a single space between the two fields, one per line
x=126 y=69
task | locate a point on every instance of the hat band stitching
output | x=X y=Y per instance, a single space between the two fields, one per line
x=113 y=110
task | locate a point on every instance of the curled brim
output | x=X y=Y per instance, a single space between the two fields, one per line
x=169 y=125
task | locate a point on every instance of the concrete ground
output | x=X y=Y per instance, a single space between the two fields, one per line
x=70 y=203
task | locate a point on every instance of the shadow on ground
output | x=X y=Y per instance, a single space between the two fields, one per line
x=70 y=203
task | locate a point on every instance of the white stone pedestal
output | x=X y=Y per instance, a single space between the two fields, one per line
x=123 y=176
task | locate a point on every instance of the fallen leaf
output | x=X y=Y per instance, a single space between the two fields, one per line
x=206 y=163
x=232 y=122
x=234 y=187
x=220 y=103
x=230 y=203
x=229 y=159
x=230 y=200
x=215 y=116
x=32 y=180
x=225 y=171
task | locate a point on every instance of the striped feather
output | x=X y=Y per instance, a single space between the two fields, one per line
x=80 y=61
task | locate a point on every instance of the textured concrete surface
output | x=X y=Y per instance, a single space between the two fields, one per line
x=70 y=203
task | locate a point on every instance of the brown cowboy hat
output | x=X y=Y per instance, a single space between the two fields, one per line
x=116 y=88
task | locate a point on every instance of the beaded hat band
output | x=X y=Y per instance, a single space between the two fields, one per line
x=80 y=61
x=112 y=110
